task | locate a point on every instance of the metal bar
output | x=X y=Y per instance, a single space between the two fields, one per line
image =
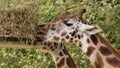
x=3 y=17
x=19 y=46
x=13 y=18
x=13 y=36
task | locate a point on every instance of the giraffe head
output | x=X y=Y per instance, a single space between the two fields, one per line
x=67 y=28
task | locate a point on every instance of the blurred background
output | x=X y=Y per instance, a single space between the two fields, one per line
x=103 y=13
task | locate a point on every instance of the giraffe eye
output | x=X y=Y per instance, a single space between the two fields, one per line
x=68 y=24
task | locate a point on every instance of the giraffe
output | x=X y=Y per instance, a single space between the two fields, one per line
x=72 y=28
x=61 y=57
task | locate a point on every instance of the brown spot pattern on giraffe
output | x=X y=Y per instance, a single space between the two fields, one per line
x=71 y=39
x=55 y=44
x=75 y=36
x=94 y=39
x=80 y=44
x=105 y=51
x=53 y=25
x=103 y=41
x=76 y=41
x=73 y=27
x=67 y=37
x=60 y=64
x=56 y=38
x=78 y=36
x=88 y=40
x=44 y=48
x=63 y=34
x=48 y=44
x=98 y=61
x=65 y=51
x=60 y=54
x=81 y=36
x=51 y=47
x=90 y=50
x=53 y=29
x=57 y=58
x=73 y=33
x=63 y=40
x=69 y=61
x=113 y=61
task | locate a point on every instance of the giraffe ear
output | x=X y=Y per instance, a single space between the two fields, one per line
x=92 y=30
x=89 y=29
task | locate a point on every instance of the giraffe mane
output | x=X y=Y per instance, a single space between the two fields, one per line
x=80 y=13
x=64 y=15
x=61 y=17
x=108 y=45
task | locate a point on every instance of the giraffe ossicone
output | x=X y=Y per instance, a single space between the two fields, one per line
x=74 y=29
x=68 y=25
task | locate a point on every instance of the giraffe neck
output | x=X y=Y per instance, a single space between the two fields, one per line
x=61 y=57
x=100 y=52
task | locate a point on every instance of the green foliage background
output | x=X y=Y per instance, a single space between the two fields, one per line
x=103 y=13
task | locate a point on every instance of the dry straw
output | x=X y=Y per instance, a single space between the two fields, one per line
x=19 y=21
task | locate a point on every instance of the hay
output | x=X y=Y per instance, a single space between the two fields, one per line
x=19 y=21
